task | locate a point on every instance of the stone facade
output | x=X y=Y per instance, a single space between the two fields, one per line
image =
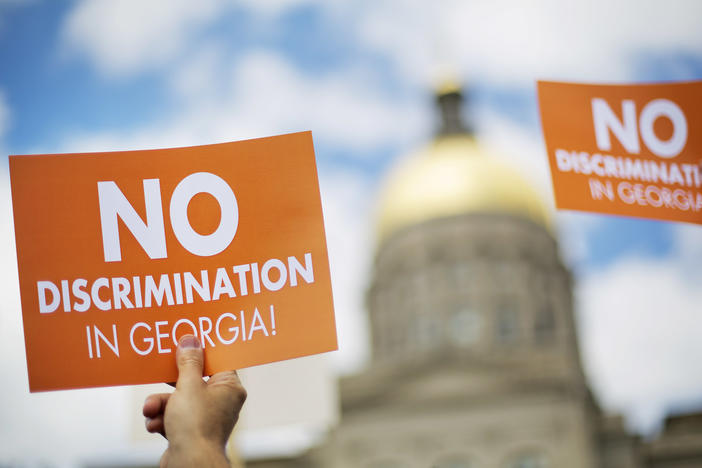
x=475 y=361
x=475 y=358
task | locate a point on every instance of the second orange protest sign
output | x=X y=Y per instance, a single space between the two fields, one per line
x=625 y=149
x=121 y=253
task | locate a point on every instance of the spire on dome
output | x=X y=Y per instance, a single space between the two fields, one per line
x=450 y=99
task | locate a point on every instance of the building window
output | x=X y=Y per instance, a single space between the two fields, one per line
x=544 y=326
x=398 y=335
x=507 y=323
x=527 y=460
x=428 y=332
x=465 y=326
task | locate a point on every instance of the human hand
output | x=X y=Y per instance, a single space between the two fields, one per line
x=198 y=417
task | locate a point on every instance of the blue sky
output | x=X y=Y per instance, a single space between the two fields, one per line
x=93 y=76
x=54 y=93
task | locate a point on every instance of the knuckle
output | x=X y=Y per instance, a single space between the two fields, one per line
x=235 y=388
x=241 y=394
x=190 y=359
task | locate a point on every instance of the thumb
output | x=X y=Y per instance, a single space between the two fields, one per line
x=190 y=360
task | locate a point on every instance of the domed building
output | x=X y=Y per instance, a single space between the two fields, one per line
x=475 y=359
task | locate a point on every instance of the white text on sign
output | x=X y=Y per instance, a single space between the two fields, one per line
x=626 y=130
x=151 y=235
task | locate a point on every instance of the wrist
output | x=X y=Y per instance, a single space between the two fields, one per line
x=197 y=452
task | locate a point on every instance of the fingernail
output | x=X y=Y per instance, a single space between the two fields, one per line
x=189 y=341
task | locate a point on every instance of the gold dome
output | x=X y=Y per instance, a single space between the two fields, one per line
x=454 y=176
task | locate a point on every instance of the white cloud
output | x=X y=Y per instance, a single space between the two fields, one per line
x=574 y=228
x=640 y=329
x=199 y=76
x=688 y=238
x=347 y=198
x=509 y=40
x=130 y=35
x=517 y=146
x=346 y=107
x=262 y=94
x=497 y=40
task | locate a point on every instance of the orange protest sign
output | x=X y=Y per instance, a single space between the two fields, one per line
x=625 y=149
x=122 y=253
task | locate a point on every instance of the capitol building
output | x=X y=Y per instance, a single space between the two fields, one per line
x=475 y=359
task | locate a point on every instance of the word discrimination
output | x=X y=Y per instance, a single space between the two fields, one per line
x=644 y=170
x=114 y=293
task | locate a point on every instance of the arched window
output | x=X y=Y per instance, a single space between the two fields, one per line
x=507 y=323
x=465 y=326
x=528 y=460
x=428 y=331
x=544 y=325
